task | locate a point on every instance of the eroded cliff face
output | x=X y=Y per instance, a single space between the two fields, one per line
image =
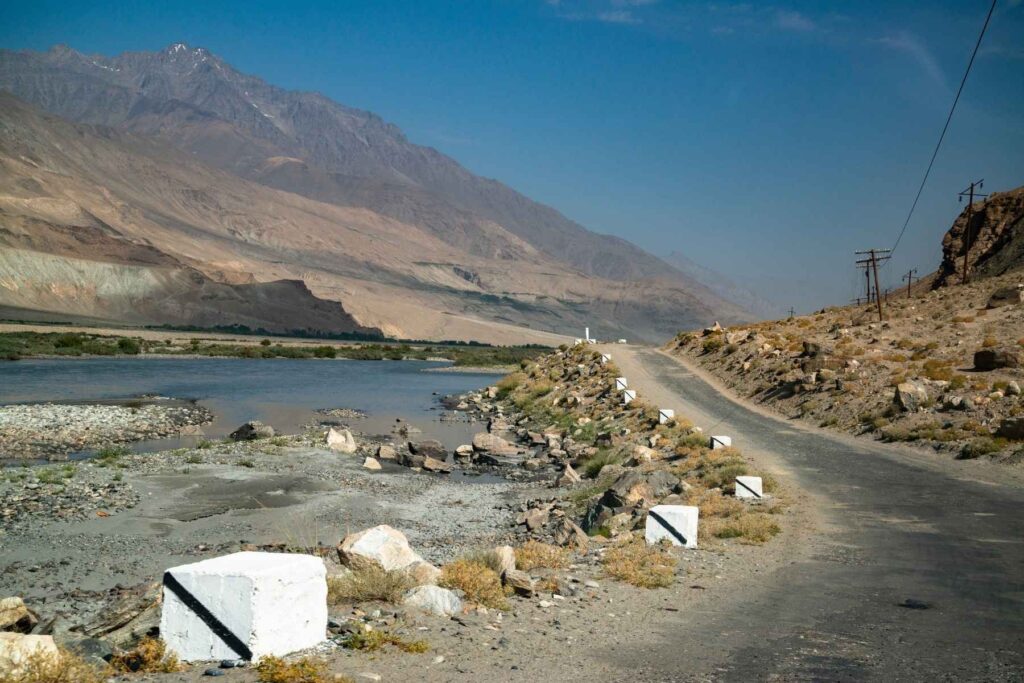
x=996 y=239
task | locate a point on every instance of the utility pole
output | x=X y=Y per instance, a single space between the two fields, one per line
x=970 y=194
x=867 y=280
x=791 y=312
x=909 y=277
x=874 y=257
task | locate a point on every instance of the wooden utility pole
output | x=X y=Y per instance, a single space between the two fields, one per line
x=791 y=312
x=909 y=277
x=874 y=257
x=970 y=194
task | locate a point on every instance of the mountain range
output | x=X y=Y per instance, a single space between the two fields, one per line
x=206 y=194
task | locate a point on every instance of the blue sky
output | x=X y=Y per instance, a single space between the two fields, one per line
x=768 y=141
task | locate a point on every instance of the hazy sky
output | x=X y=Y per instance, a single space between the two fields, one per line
x=766 y=141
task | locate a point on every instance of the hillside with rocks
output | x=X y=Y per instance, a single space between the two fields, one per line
x=996 y=239
x=404 y=238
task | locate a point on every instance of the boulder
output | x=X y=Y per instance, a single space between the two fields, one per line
x=14 y=616
x=423 y=573
x=1011 y=428
x=464 y=452
x=536 y=518
x=371 y=463
x=506 y=558
x=642 y=454
x=386 y=452
x=434 y=465
x=565 y=532
x=434 y=600
x=493 y=444
x=568 y=477
x=993 y=359
x=251 y=431
x=381 y=545
x=639 y=488
x=1006 y=296
x=341 y=440
x=17 y=648
x=1012 y=388
x=520 y=582
x=910 y=396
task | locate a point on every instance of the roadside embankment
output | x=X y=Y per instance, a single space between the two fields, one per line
x=944 y=370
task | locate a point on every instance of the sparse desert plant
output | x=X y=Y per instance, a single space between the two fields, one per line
x=989 y=342
x=272 y=669
x=713 y=343
x=592 y=467
x=371 y=641
x=149 y=656
x=935 y=369
x=506 y=385
x=486 y=557
x=66 y=666
x=480 y=583
x=748 y=527
x=368 y=583
x=534 y=555
x=641 y=565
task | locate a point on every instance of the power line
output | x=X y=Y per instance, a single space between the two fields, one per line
x=949 y=118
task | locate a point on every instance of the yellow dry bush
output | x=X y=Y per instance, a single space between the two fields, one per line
x=149 y=656
x=480 y=583
x=371 y=641
x=41 y=666
x=713 y=503
x=641 y=565
x=272 y=669
x=750 y=527
x=368 y=583
x=534 y=554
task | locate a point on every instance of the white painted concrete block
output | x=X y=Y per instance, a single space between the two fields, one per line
x=622 y=341
x=720 y=441
x=677 y=523
x=621 y=383
x=628 y=396
x=244 y=606
x=577 y=341
x=605 y=357
x=666 y=415
x=749 y=487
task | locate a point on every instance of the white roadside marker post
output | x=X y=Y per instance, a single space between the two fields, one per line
x=628 y=396
x=605 y=357
x=749 y=487
x=675 y=523
x=720 y=441
x=666 y=415
x=244 y=606
x=621 y=384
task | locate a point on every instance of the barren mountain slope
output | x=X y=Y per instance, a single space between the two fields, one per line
x=305 y=143
x=93 y=194
x=996 y=239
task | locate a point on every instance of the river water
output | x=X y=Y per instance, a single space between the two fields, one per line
x=281 y=392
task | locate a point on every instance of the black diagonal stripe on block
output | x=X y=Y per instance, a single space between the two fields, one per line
x=714 y=441
x=668 y=527
x=758 y=495
x=207 y=617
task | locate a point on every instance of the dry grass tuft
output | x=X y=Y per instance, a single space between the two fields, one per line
x=42 y=667
x=149 y=656
x=480 y=583
x=534 y=554
x=272 y=669
x=641 y=565
x=371 y=641
x=713 y=503
x=366 y=584
x=754 y=527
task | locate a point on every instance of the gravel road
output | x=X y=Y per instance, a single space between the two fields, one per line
x=896 y=525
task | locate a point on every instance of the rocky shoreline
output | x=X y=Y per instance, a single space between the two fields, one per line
x=53 y=431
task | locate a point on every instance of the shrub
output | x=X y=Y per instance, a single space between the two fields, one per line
x=480 y=583
x=749 y=527
x=371 y=641
x=325 y=352
x=272 y=669
x=506 y=385
x=935 y=369
x=592 y=467
x=981 y=446
x=487 y=557
x=43 y=667
x=989 y=342
x=713 y=343
x=641 y=565
x=149 y=656
x=263 y=342
x=128 y=346
x=534 y=554
x=370 y=583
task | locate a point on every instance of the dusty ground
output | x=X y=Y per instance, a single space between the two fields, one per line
x=847 y=378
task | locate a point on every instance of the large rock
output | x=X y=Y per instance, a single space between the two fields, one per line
x=536 y=518
x=993 y=359
x=566 y=532
x=435 y=465
x=639 y=488
x=1006 y=296
x=520 y=582
x=14 y=616
x=17 y=648
x=506 y=558
x=1011 y=428
x=386 y=452
x=429 y=449
x=251 y=431
x=341 y=440
x=493 y=445
x=910 y=396
x=371 y=463
x=568 y=477
x=434 y=600
x=381 y=545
